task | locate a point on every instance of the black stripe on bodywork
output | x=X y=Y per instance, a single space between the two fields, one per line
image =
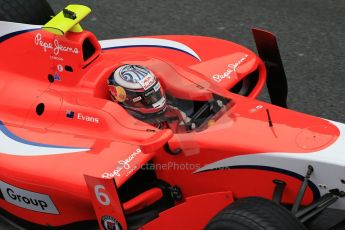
x=11 y=35
x=312 y=186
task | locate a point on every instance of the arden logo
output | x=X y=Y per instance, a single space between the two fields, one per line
x=27 y=199
x=231 y=69
x=110 y=223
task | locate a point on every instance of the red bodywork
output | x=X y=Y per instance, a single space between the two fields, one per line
x=109 y=135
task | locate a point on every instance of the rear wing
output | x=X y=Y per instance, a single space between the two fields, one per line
x=67 y=20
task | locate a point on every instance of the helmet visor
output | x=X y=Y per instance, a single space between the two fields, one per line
x=152 y=98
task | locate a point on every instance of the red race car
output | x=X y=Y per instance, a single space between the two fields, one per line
x=71 y=157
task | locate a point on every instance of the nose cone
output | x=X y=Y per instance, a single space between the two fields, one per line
x=328 y=162
x=334 y=154
x=317 y=137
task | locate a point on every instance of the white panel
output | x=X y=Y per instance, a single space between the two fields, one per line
x=11 y=27
x=164 y=43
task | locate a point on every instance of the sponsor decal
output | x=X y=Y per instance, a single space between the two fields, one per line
x=257 y=108
x=57 y=77
x=110 y=223
x=112 y=90
x=26 y=199
x=231 y=68
x=55 y=46
x=60 y=68
x=159 y=103
x=157 y=87
x=88 y=118
x=70 y=114
x=118 y=93
x=56 y=58
x=147 y=81
x=123 y=164
x=148 y=93
x=137 y=99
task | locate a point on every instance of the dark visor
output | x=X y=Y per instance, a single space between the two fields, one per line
x=144 y=99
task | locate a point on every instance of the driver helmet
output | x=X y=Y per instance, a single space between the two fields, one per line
x=138 y=90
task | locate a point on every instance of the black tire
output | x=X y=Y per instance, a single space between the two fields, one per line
x=254 y=213
x=36 y=12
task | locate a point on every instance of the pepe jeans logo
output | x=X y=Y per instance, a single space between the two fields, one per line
x=55 y=46
x=122 y=164
x=231 y=69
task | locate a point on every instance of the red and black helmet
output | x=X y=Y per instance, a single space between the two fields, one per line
x=138 y=90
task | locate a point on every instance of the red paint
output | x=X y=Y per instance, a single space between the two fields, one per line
x=113 y=135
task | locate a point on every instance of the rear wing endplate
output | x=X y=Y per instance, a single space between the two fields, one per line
x=106 y=203
x=67 y=20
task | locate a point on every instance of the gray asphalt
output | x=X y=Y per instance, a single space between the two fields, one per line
x=311 y=36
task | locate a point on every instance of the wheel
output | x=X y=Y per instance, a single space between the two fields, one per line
x=36 y=12
x=254 y=213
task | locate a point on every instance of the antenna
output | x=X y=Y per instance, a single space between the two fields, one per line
x=269 y=118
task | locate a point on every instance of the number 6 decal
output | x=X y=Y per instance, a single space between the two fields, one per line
x=106 y=203
x=102 y=198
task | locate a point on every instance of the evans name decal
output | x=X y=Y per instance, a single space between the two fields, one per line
x=27 y=199
x=88 y=118
x=71 y=114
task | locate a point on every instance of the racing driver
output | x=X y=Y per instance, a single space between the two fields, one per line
x=139 y=91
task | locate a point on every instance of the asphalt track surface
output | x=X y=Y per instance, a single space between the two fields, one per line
x=311 y=37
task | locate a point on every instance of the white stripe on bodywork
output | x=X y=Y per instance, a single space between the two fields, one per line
x=14 y=147
x=12 y=27
x=328 y=163
x=158 y=42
